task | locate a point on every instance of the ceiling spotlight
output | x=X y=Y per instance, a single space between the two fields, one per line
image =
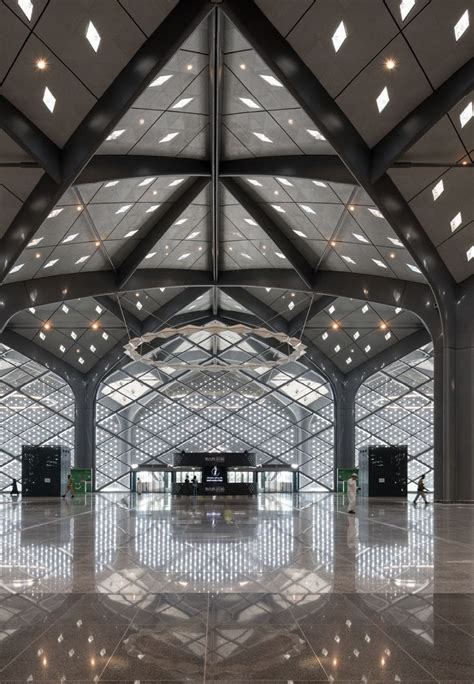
x=383 y=326
x=189 y=67
x=243 y=67
x=97 y=244
x=41 y=64
x=290 y=121
x=47 y=325
x=141 y=121
x=392 y=255
x=79 y=208
x=351 y=208
x=37 y=255
x=335 y=325
x=95 y=325
x=390 y=64
x=333 y=244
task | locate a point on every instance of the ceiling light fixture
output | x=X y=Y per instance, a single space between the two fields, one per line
x=262 y=137
x=339 y=36
x=279 y=209
x=248 y=102
x=299 y=233
x=151 y=209
x=406 y=7
x=41 y=64
x=54 y=213
x=390 y=64
x=462 y=25
x=175 y=182
x=115 y=134
x=168 y=137
x=26 y=7
x=456 y=221
x=382 y=100
x=466 y=115
x=285 y=181
x=160 y=80
x=470 y=253
x=316 y=134
x=93 y=36
x=271 y=80
x=49 y=99
x=320 y=184
x=182 y=103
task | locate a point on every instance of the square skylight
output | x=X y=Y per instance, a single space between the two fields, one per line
x=271 y=80
x=123 y=209
x=331 y=309
x=360 y=237
x=49 y=99
x=356 y=335
x=65 y=308
x=462 y=25
x=160 y=80
x=382 y=100
x=339 y=36
x=307 y=209
x=280 y=255
x=367 y=348
x=81 y=259
x=291 y=305
x=470 y=253
x=92 y=348
x=62 y=348
x=248 y=102
x=98 y=309
x=26 y=7
x=182 y=103
x=169 y=137
x=285 y=181
x=365 y=308
x=337 y=348
x=456 y=222
x=42 y=336
x=349 y=360
x=175 y=182
x=93 y=36
x=262 y=137
x=54 y=213
x=299 y=233
x=35 y=242
x=250 y=221
x=406 y=7
x=316 y=134
x=320 y=184
x=70 y=238
x=324 y=335
x=139 y=306
x=348 y=259
x=146 y=181
x=379 y=263
x=438 y=190
x=151 y=209
x=73 y=335
x=388 y=335
x=376 y=212
x=111 y=184
x=466 y=115
x=279 y=209
x=413 y=268
x=105 y=335
x=51 y=263
x=180 y=221
x=16 y=268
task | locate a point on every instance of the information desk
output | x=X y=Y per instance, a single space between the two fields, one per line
x=213 y=469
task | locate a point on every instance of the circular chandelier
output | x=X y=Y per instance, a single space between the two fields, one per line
x=134 y=347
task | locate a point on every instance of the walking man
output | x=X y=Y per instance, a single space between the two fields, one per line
x=421 y=491
x=69 y=488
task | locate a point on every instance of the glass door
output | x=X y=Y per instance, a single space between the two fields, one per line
x=276 y=482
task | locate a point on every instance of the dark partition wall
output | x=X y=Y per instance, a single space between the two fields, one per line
x=396 y=406
x=36 y=407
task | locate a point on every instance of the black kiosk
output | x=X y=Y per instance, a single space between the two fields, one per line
x=214 y=467
x=383 y=470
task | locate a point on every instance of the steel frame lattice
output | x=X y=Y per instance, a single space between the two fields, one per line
x=396 y=406
x=36 y=407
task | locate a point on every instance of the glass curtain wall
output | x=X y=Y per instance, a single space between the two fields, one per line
x=284 y=415
x=36 y=407
x=396 y=406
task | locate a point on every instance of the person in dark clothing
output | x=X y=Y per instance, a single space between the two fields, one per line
x=195 y=484
x=187 y=487
x=14 y=491
x=421 y=491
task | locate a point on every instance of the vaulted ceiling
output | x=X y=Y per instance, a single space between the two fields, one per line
x=181 y=161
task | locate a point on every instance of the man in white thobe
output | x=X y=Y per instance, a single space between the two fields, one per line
x=351 y=486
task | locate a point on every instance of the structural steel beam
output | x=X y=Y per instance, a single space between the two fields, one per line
x=150 y=58
x=105 y=167
x=29 y=137
x=154 y=229
x=161 y=317
x=216 y=34
x=421 y=120
x=325 y=167
x=274 y=232
x=132 y=323
x=264 y=313
x=299 y=321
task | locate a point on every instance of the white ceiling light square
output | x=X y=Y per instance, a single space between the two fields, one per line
x=337 y=348
x=360 y=237
x=252 y=181
x=35 y=242
x=139 y=306
x=466 y=115
x=262 y=137
x=365 y=308
x=339 y=36
x=271 y=80
x=470 y=253
x=111 y=184
x=169 y=137
x=324 y=335
x=413 y=268
x=42 y=336
x=331 y=309
x=315 y=134
x=160 y=80
x=175 y=182
x=462 y=25
x=70 y=238
x=367 y=348
x=182 y=103
x=397 y=310
x=54 y=213
x=65 y=308
x=438 y=190
x=279 y=209
x=250 y=221
x=62 y=348
x=376 y=212
x=130 y=233
x=299 y=233
x=285 y=181
x=347 y=259
x=151 y=209
x=291 y=306
x=105 y=335
x=307 y=209
x=356 y=335
x=81 y=260
x=406 y=7
x=81 y=360
x=396 y=242
x=49 y=99
x=150 y=255
x=146 y=181
x=382 y=100
x=26 y=7
x=32 y=309
x=93 y=36
x=349 y=360
x=92 y=348
x=98 y=309
x=379 y=263
x=280 y=255
x=184 y=256
x=456 y=221
x=16 y=268
x=193 y=235
x=249 y=103
x=123 y=209
x=388 y=335
x=246 y=256
x=51 y=263
x=180 y=221
x=320 y=184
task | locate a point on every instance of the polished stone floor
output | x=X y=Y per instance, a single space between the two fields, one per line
x=280 y=589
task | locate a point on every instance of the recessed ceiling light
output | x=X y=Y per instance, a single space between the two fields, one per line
x=331 y=309
x=81 y=259
x=413 y=268
x=139 y=305
x=376 y=212
x=388 y=335
x=42 y=336
x=285 y=181
x=81 y=360
x=396 y=242
x=324 y=335
x=243 y=67
x=461 y=25
x=315 y=134
x=189 y=67
x=280 y=255
x=26 y=7
x=245 y=255
x=348 y=360
x=130 y=233
x=339 y=36
x=105 y=335
x=193 y=235
x=65 y=308
x=123 y=209
x=456 y=221
x=111 y=184
x=438 y=190
x=291 y=305
x=98 y=309
x=268 y=289
x=49 y=99
x=271 y=80
x=356 y=335
x=93 y=36
x=62 y=348
x=466 y=115
x=278 y=208
x=35 y=242
x=365 y=308
x=470 y=253
x=390 y=63
x=180 y=221
x=382 y=100
x=160 y=80
x=248 y=102
x=320 y=184
x=252 y=181
x=337 y=348
x=307 y=209
x=348 y=259
x=367 y=348
x=299 y=233
x=151 y=209
x=92 y=348
x=73 y=335
x=291 y=122
x=16 y=268
x=150 y=255
x=41 y=64
x=360 y=237
x=406 y=7
x=146 y=181
x=71 y=237
x=250 y=221
x=262 y=137
x=32 y=309
x=175 y=182
x=182 y=103
x=51 y=263
x=54 y=213
x=184 y=256
x=397 y=310
x=168 y=137
x=379 y=263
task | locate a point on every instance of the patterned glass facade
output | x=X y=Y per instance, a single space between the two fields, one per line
x=284 y=415
x=36 y=407
x=395 y=406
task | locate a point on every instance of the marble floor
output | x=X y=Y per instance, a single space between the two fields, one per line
x=281 y=588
